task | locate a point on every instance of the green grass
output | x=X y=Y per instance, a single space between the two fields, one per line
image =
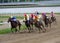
x=4 y=31
x=18 y=17
x=3 y=18
x=1 y=24
x=8 y=30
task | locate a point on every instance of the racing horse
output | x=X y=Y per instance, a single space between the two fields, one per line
x=39 y=24
x=47 y=21
x=14 y=24
x=28 y=25
x=28 y=22
x=53 y=19
x=31 y=22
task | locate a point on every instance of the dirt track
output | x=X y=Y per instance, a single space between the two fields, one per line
x=51 y=36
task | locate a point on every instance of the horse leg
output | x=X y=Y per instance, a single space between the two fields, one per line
x=55 y=21
x=39 y=30
x=15 y=30
x=19 y=28
x=50 y=25
x=43 y=27
x=12 y=30
x=29 y=29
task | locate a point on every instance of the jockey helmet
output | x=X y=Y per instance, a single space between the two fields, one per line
x=14 y=17
x=32 y=15
x=25 y=14
x=43 y=14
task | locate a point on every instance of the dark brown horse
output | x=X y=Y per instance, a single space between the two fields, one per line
x=28 y=25
x=31 y=22
x=14 y=24
x=47 y=21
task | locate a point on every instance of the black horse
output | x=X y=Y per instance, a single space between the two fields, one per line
x=47 y=21
x=28 y=25
x=31 y=22
x=14 y=24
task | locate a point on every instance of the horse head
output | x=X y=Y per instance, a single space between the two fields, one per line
x=9 y=20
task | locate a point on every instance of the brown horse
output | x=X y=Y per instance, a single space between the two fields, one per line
x=39 y=25
x=14 y=24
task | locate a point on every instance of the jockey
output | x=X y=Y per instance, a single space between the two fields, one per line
x=36 y=17
x=37 y=13
x=43 y=15
x=39 y=16
x=26 y=17
x=31 y=16
x=52 y=14
x=14 y=18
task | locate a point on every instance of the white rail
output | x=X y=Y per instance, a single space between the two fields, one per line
x=31 y=10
